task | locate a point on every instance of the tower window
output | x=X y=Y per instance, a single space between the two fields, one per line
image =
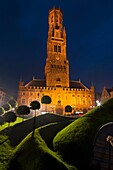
x=58 y=79
x=60 y=20
x=59 y=48
x=56 y=34
x=55 y=48
x=56 y=17
x=52 y=19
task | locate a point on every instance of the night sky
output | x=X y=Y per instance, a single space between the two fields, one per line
x=23 y=38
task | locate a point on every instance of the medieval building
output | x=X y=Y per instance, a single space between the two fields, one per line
x=107 y=93
x=4 y=96
x=57 y=84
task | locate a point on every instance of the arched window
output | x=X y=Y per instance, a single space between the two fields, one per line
x=52 y=19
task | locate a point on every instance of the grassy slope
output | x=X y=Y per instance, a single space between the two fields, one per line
x=49 y=131
x=33 y=153
x=5 y=125
x=16 y=132
x=77 y=138
x=6 y=150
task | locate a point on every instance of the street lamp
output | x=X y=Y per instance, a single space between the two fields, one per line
x=98 y=103
x=110 y=140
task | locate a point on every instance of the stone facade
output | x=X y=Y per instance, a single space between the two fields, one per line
x=3 y=96
x=107 y=93
x=57 y=84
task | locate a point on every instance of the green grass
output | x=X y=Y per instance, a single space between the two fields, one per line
x=59 y=143
x=6 y=152
x=32 y=153
x=7 y=135
x=78 y=137
x=5 y=125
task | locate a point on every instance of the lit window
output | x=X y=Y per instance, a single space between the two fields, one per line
x=23 y=101
x=58 y=79
x=56 y=34
x=52 y=19
x=55 y=48
x=56 y=18
x=59 y=49
x=60 y=20
x=83 y=101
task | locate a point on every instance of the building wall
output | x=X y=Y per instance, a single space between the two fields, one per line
x=106 y=94
x=79 y=99
x=3 y=97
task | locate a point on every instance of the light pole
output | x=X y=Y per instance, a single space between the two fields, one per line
x=110 y=140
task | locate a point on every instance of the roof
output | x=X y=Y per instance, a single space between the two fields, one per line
x=36 y=82
x=77 y=84
x=109 y=90
x=42 y=83
x=3 y=90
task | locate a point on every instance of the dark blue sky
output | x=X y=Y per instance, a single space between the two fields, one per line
x=23 y=38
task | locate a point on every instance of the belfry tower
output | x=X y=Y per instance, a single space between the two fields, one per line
x=57 y=66
x=57 y=84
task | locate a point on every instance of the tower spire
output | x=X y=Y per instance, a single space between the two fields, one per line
x=57 y=67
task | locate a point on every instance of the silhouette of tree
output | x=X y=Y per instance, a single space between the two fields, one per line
x=23 y=110
x=7 y=107
x=2 y=111
x=46 y=100
x=1 y=120
x=13 y=103
x=34 y=105
x=9 y=117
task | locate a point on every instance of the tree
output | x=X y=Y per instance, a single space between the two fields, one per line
x=68 y=109
x=7 y=107
x=46 y=100
x=2 y=110
x=34 y=105
x=1 y=120
x=23 y=110
x=13 y=103
x=9 y=117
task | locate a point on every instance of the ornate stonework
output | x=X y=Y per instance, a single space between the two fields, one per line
x=57 y=67
x=57 y=84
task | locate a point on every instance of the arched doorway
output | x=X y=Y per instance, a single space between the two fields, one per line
x=59 y=108
x=102 y=155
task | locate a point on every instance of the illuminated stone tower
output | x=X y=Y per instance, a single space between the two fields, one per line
x=57 y=66
x=57 y=84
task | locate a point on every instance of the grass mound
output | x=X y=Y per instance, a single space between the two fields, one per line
x=78 y=137
x=5 y=125
x=6 y=152
x=32 y=153
x=49 y=131
x=11 y=136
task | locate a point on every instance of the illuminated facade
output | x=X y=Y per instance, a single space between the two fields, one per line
x=57 y=84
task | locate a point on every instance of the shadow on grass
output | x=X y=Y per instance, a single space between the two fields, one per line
x=19 y=131
x=4 y=141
